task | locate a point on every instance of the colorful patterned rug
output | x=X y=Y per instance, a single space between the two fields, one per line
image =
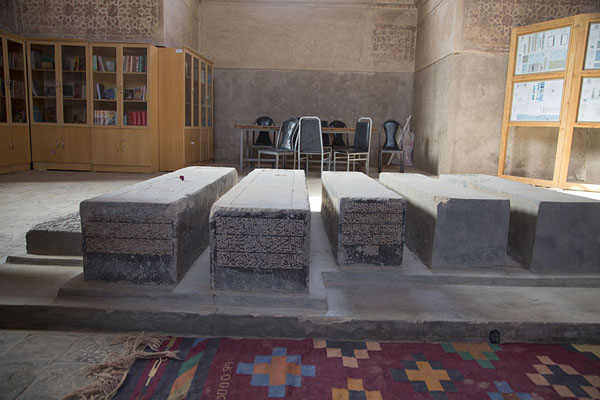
x=224 y=369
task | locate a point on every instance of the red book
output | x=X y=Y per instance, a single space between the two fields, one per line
x=129 y=118
x=144 y=118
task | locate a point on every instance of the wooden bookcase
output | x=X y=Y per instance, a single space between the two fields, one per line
x=124 y=106
x=15 y=153
x=551 y=122
x=58 y=104
x=186 y=116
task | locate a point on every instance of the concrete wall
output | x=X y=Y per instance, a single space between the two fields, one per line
x=584 y=164
x=335 y=59
x=182 y=23
x=242 y=95
x=10 y=17
x=460 y=78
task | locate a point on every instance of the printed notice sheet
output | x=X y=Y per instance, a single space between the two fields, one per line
x=592 y=55
x=543 y=51
x=589 y=102
x=537 y=100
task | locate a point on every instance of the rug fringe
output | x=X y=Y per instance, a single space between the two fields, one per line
x=110 y=375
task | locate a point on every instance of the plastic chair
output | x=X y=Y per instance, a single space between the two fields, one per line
x=390 y=127
x=338 y=138
x=285 y=141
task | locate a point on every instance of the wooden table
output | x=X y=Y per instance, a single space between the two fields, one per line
x=245 y=130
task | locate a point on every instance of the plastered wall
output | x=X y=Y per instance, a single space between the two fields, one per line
x=172 y=23
x=334 y=59
x=461 y=60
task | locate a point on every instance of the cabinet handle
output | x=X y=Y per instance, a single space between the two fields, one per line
x=193 y=143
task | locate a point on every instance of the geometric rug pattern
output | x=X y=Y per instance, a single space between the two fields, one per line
x=223 y=368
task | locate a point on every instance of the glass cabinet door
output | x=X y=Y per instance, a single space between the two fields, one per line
x=104 y=85
x=188 y=89
x=196 y=91
x=3 y=103
x=135 y=86
x=43 y=83
x=16 y=82
x=209 y=92
x=203 y=95
x=74 y=99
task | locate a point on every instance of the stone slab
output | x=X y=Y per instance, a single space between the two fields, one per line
x=151 y=232
x=260 y=233
x=549 y=230
x=449 y=226
x=59 y=236
x=364 y=220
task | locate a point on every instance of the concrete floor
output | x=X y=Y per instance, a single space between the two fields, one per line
x=411 y=303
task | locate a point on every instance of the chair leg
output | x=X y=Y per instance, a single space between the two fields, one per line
x=276 y=161
x=379 y=162
x=258 y=159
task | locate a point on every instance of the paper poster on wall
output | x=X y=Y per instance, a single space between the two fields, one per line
x=537 y=100
x=543 y=51
x=589 y=101
x=592 y=55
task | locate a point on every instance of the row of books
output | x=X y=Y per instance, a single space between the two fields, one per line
x=137 y=118
x=73 y=63
x=138 y=93
x=134 y=63
x=105 y=117
x=15 y=60
x=48 y=114
x=45 y=88
x=17 y=89
x=102 y=65
x=74 y=90
x=105 y=93
x=41 y=60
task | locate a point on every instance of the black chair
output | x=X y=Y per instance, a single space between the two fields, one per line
x=390 y=127
x=338 y=138
x=360 y=148
x=309 y=142
x=285 y=140
x=264 y=139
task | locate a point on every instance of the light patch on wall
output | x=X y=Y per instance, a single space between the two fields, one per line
x=393 y=43
x=487 y=23
x=95 y=19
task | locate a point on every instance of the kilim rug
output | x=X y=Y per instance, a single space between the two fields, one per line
x=222 y=369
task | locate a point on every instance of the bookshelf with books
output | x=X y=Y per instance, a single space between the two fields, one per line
x=59 y=104
x=182 y=109
x=125 y=107
x=14 y=125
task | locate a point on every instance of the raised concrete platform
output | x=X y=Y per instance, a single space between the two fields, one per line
x=60 y=236
x=363 y=219
x=449 y=226
x=151 y=232
x=259 y=233
x=549 y=231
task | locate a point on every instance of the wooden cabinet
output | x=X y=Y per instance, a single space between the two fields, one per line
x=14 y=125
x=185 y=108
x=59 y=104
x=87 y=97
x=124 y=107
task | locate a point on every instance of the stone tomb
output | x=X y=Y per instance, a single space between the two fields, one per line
x=260 y=233
x=151 y=232
x=363 y=219
x=58 y=237
x=549 y=231
x=449 y=226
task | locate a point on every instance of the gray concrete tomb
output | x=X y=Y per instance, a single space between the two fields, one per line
x=364 y=220
x=259 y=233
x=549 y=231
x=449 y=226
x=151 y=232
